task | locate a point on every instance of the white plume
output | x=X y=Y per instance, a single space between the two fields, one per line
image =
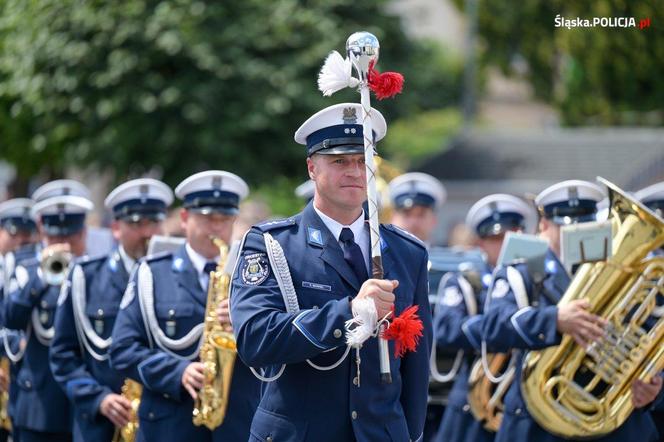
x=335 y=74
x=363 y=324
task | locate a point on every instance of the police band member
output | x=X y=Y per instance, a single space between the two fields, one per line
x=653 y=198
x=42 y=409
x=542 y=323
x=18 y=242
x=416 y=197
x=458 y=317
x=89 y=304
x=158 y=331
x=291 y=300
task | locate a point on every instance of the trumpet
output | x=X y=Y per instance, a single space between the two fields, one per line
x=55 y=260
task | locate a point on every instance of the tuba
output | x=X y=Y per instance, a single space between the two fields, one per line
x=132 y=391
x=217 y=352
x=586 y=392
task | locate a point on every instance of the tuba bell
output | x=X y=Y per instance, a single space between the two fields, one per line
x=218 y=351
x=586 y=392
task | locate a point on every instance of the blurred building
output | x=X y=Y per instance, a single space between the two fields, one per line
x=526 y=161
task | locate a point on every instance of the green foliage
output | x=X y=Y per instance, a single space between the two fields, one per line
x=411 y=140
x=186 y=85
x=597 y=75
x=279 y=195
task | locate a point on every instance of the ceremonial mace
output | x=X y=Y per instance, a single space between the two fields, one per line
x=362 y=49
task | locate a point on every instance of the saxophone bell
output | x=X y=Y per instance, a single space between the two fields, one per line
x=132 y=391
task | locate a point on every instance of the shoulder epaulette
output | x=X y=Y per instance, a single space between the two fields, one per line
x=158 y=256
x=404 y=234
x=276 y=224
x=86 y=260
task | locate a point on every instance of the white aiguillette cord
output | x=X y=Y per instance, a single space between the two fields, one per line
x=281 y=271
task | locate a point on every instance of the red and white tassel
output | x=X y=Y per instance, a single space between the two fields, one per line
x=405 y=330
x=336 y=74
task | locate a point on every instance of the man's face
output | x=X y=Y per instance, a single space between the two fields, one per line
x=134 y=236
x=418 y=220
x=491 y=246
x=551 y=232
x=76 y=241
x=340 y=180
x=6 y=242
x=200 y=228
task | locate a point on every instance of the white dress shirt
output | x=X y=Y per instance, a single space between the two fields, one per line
x=199 y=262
x=127 y=260
x=359 y=229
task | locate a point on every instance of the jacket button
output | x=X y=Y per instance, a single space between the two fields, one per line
x=268 y=439
x=466 y=408
x=337 y=333
x=356 y=380
x=33 y=292
x=354 y=415
x=541 y=336
x=151 y=415
x=517 y=411
x=171 y=313
x=166 y=396
x=28 y=384
x=44 y=304
x=100 y=312
x=315 y=307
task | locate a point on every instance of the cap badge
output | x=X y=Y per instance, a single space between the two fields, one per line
x=350 y=115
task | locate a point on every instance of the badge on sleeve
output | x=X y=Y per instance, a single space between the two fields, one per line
x=255 y=269
x=500 y=288
x=452 y=297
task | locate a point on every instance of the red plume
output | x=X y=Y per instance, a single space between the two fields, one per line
x=405 y=330
x=385 y=85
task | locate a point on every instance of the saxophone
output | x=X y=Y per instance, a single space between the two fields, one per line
x=217 y=352
x=485 y=397
x=132 y=391
x=5 y=421
x=585 y=392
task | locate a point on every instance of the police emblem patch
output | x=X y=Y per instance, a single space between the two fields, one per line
x=255 y=269
x=452 y=296
x=500 y=288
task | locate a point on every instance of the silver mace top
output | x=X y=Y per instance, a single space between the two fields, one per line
x=362 y=49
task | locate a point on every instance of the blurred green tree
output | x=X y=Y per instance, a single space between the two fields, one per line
x=594 y=75
x=185 y=85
